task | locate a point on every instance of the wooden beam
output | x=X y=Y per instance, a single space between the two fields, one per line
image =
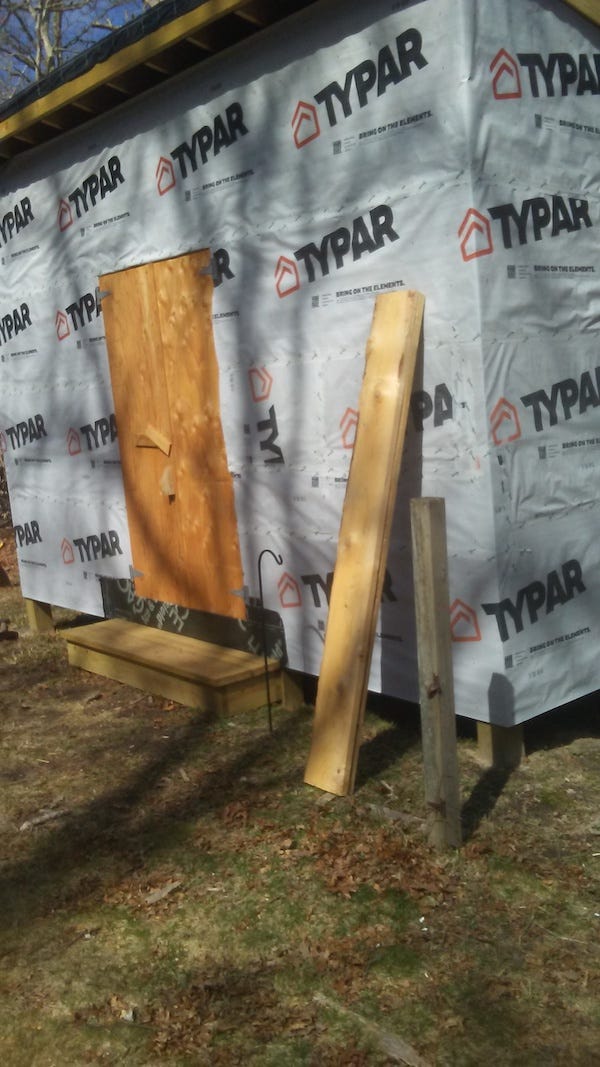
x=39 y=616
x=436 y=682
x=256 y=12
x=363 y=541
x=55 y=123
x=134 y=54
x=500 y=746
x=589 y=8
x=166 y=64
x=181 y=668
x=81 y=105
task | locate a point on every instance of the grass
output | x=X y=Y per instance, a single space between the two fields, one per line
x=189 y=895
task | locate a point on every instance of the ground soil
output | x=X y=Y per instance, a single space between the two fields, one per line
x=172 y=893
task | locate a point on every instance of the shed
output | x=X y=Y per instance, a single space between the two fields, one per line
x=196 y=217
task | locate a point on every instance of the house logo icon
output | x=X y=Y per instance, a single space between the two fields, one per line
x=504 y=422
x=64 y=216
x=506 y=81
x=260 y=383
x=73 y=442
x=475 y=235
x=305 y=124
x=348 y=424
x=463 y=622
x=66 y=549
x=165 y=176
x=289 y=592
x=287 y=279
x=62 y=325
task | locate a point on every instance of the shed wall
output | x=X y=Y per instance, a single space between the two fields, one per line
x=444 y=147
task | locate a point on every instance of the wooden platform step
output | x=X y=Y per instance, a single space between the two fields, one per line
x=180 y=668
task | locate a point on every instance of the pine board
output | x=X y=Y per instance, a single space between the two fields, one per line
x=363 y=540
x=195 y=661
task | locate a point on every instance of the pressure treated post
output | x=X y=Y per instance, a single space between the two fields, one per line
x=39 y=616
x=436 y=684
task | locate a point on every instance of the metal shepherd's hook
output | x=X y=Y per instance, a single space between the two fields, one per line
x=279 y=561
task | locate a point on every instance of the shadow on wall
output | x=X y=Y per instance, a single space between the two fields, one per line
x=501 y=701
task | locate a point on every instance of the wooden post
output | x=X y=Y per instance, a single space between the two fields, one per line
x=500 y=746
x=363 y=541
x=39 y=616
x=436 y=684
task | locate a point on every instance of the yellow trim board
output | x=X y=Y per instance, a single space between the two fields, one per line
x=589 y=8
x=142 y=51
x=121 y=61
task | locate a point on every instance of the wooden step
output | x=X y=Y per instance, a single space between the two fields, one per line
x=192 y=672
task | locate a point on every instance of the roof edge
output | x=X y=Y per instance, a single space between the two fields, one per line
x=589 y=8
x=142 y=49
x=118 y=63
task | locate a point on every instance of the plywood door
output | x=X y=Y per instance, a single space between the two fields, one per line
x=165 y=379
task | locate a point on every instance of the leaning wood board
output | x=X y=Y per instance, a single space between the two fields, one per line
x=363 y=541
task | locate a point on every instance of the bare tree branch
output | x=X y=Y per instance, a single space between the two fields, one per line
x=37 y=36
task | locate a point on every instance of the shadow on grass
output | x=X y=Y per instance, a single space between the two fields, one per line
x=483 y=799
x=119 y=830
x=379 y=753
x=577 y=719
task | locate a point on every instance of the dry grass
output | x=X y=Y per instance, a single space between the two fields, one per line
x=187 y=896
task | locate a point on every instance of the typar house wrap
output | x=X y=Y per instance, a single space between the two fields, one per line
x=448 y=148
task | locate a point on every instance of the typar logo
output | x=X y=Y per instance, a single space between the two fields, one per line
x=348 y=424
x=289 y=591
x=81 y=312
x=506 y=81
x=101 y=432
x=64 y=216
x=542 y=216
x=371 y=78
x=14 y=322
x=368 y=234
x=28 y=533
x=165 y=176
x=305 y=124
x=504 y=422
x=66 y=551
x=556 y=589
x=62 y=326
x=23 y=433
x=73 y=442
x=557 y=74
x=16 y=219
x=475 y=235
x=261 y=383
x=463 y=622
x=93 y=188
x=287 y=278
x=209 y=140
x=566 y=397
x=92 y=547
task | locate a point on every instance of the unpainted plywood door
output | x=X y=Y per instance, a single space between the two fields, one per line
x=165 y=379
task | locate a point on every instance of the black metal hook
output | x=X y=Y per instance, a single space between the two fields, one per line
x=279 y=561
